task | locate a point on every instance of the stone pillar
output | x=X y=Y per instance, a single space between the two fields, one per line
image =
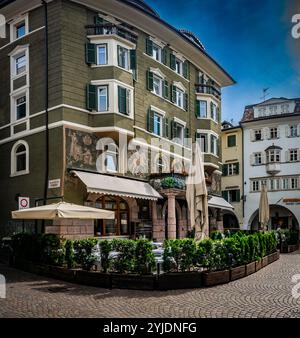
x=171 y=216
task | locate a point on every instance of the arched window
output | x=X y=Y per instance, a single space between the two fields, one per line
x=20 y=158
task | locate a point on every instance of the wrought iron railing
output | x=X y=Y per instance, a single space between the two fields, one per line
x=208 y=89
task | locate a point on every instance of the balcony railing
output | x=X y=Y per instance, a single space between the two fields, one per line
x=112 y=29
x=168 y=181
x=208 y=89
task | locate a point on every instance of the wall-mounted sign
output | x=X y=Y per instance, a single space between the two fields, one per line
x=24 y=203
x=53 y=184
x=292 y=201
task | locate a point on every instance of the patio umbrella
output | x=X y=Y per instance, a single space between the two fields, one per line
x=63 y=210
x=264 y=210
x=196 y=195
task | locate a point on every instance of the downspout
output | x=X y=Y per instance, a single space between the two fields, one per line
x=46 y=103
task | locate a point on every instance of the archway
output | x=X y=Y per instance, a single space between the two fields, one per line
x=230 y=221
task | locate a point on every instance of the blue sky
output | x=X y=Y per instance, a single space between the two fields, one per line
x=251 y=39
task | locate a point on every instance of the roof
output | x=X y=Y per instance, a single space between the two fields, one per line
x=143 y=6
x=273 y=147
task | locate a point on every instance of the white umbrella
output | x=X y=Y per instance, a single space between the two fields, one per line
x=196 y=196
x=63 y=210
x=264 y=210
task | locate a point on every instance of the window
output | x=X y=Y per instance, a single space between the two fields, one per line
x=293 y=155
x=19 y=28
x=273 y=156
x=156 y=52
x=204 y=142
x=21 y=107
x=20 y=64
x=273 y=133
x=179 y=133
x=179 y=98
x=178 y=68
x=255 y=185
x=233 y=169
x=285 y=184
x=157 y=85
x=257 y=159
x=294 y=183
x=285 y=108
x=277 y=184
x=233 y=196
x=214 y=114
x=111 y=161
x=258 y=135
x=102 y=54
x=157 y=124
x=123 y=57
x=293 y=131
x=214 y=145
x=124 y=100
x=231 y=141
x=201 y=109
x=19 y=158
x=103 y=98
x=272 y=185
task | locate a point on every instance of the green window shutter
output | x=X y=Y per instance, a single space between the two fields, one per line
x=197 y=108
x=197 y=135
x=225 y=195
x=98 y=21
x=237 y=168
x=172 y=61
x=166 y=90
x=90 y=53
x=219 y=114
x=149 y=80
x=186 y=133
x=238 y=195
x=186 y=69
x=150 y=120
x=186 y=102
x=173 y=93
x=122 y=100
x=149 y=47
x=218 y=147
x=173 y=129
x=166 y=127
x=91 y=97
x=164 y=56
x=211 y=109
x=133 y=59
x=225 y=169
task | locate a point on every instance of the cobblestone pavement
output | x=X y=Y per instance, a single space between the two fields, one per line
x=268 y=293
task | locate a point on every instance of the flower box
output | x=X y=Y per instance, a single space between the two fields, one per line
x=132 y=281
x=212 y=278
x=258 y=265
x=237 y=273
x=92 y=278
x=179 y=280
x=250 y=268
x=264 y=262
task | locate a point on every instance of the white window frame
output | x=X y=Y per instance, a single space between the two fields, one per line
x=274 y=131
x=14 y=55
x=202 y=144
x=293 y=130
x=214 y=117
x=215 y=150
x=273 y=153
x=13 y=164
x=180 y=139
x=14 y=97
x=15 y=23
x=294 y=183
x=105 y=45
x=159 y=52
x=160 y=87
x=178 y=66
x=257 y=156
x=255 y=185
x=206 y=105
x=160 y=117
x=107 y=98
x=258 y=132
x=232 y=169
x=293 y=155
x=179 y=98
x=127 y=57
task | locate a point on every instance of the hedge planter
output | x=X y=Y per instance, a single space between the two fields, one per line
x=264 y=262
x=237 y=273
x=212 y=278
x=289 y=248
x=67 y=275
x=92 y=278
x=133 y=282
x=179 y=280
x=258 y=265
x=250 y=268
x=273 y=257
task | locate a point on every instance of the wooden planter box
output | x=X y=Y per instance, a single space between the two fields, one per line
x=212 y=278
x=132 y=281
x=258 y=265
x=92 y=278
x=289 y=248
x=65 y=274
x=264 y=262
x=273 y=257
x=250 y=268
x=237 y=273
x=179 y=280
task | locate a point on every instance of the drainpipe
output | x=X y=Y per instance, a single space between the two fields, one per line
x=46 y=105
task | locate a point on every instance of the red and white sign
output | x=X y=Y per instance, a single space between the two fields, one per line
x=24 y=203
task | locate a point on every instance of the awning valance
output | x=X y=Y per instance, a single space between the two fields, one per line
x=116 y=186
x=219 y=203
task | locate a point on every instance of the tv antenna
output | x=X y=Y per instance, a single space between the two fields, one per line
x=265 y=94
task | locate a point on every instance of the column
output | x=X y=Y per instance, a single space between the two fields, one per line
x=171 y=216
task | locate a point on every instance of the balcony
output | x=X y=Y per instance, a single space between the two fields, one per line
x=168 y=181
x=112 y=29
x=208 y=89
x=273 y=168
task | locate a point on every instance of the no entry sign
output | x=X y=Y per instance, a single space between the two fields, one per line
x=24 y=203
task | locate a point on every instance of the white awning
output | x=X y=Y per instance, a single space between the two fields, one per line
x=219 y=203
x=116 y=186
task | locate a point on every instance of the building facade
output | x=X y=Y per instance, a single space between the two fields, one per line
x=271 y=132
x=232 y=179
x=97 y=102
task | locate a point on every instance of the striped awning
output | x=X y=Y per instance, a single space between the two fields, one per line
x=117 y=186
